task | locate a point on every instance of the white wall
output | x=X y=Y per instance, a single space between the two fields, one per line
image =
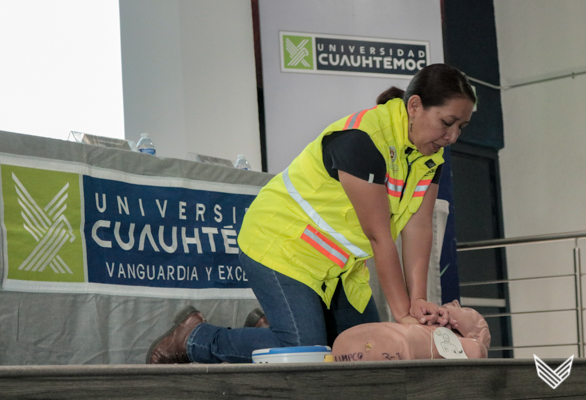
x=542 y=164
x=189 y=77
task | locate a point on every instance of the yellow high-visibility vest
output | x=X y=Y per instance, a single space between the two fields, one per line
x=303 y=225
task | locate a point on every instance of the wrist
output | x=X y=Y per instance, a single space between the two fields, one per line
x=400 y=316
x=409 y=320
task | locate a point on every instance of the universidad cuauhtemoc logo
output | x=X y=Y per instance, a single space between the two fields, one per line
x=42 y=220
x=297 y=52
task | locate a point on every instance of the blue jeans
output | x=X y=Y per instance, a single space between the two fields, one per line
x=296 y=313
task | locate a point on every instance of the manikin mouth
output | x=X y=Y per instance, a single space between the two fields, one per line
x=436 y=146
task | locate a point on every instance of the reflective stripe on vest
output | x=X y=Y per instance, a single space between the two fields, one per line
x=394 y=186
x=421 y=188
x=353 y=121
x=325 y=246
x=318 y=220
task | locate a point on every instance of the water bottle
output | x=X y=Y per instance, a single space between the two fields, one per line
x=146 y=145
x=242 y=162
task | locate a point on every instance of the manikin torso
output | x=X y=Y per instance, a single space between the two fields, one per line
x=394 y=341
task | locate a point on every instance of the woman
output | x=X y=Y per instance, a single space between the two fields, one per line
x=306 y=236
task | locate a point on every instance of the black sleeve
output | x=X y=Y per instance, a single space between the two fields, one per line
x=353 y=152
x=438 y=174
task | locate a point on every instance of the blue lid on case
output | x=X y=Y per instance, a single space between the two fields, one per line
x=296 y=349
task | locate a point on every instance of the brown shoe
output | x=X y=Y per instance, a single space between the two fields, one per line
x=256 y=319
x=171 y=348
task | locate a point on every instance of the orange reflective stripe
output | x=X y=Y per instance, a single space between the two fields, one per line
x=359 y=119
x=394 y=186
x=348 y=121
x=325 y=246
x=354 y=120
x=422 y=188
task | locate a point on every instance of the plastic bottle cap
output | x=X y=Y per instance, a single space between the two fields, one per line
x=241 y=155
x=146 y=135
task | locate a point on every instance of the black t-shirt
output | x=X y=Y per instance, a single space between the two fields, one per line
x=354 y=152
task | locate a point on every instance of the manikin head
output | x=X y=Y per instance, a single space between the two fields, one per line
x=469 y=322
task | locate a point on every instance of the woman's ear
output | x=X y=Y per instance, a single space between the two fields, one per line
x=413 y=104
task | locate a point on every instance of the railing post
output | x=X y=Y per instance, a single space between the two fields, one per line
x=578 y=284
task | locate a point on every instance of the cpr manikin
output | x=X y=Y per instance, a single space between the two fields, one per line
x=394 y=341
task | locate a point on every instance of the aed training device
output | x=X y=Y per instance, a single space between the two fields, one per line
x=299 y=354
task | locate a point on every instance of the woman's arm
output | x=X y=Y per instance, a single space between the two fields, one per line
x=370 y=200
x=417 y=237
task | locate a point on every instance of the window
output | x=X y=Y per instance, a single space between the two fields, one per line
x=61 y=68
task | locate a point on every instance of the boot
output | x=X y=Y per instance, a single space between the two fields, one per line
x=256 y=319
x=171 y=348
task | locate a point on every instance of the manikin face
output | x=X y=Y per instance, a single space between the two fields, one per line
x=468 y=322
x=465 y=317
x=436 y=127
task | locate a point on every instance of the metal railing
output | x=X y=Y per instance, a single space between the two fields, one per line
x=504 y=243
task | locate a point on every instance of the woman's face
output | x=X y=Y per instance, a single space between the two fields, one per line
x=436 y=127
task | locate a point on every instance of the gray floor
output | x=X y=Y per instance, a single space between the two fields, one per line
x=429 y=379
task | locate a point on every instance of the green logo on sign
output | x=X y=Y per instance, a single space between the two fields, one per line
x=42 y=218
x=298 y=52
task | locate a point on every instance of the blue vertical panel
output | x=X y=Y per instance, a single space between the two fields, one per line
x=449 y=260
x=470 y=44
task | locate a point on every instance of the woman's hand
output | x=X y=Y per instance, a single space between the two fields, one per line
x=424 y=311
x=444 y=317
x=452 y=322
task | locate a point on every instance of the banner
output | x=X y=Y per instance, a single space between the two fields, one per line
x=71 y=228
x=349 y=55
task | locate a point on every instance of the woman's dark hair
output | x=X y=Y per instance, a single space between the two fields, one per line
x=435 y=84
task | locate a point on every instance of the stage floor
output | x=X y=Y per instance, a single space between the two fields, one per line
x=420 y=379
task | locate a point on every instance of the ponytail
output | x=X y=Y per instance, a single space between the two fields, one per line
x=389 y=94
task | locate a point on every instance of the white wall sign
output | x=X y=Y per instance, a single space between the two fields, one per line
x=352 y=55
x=300 y=102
